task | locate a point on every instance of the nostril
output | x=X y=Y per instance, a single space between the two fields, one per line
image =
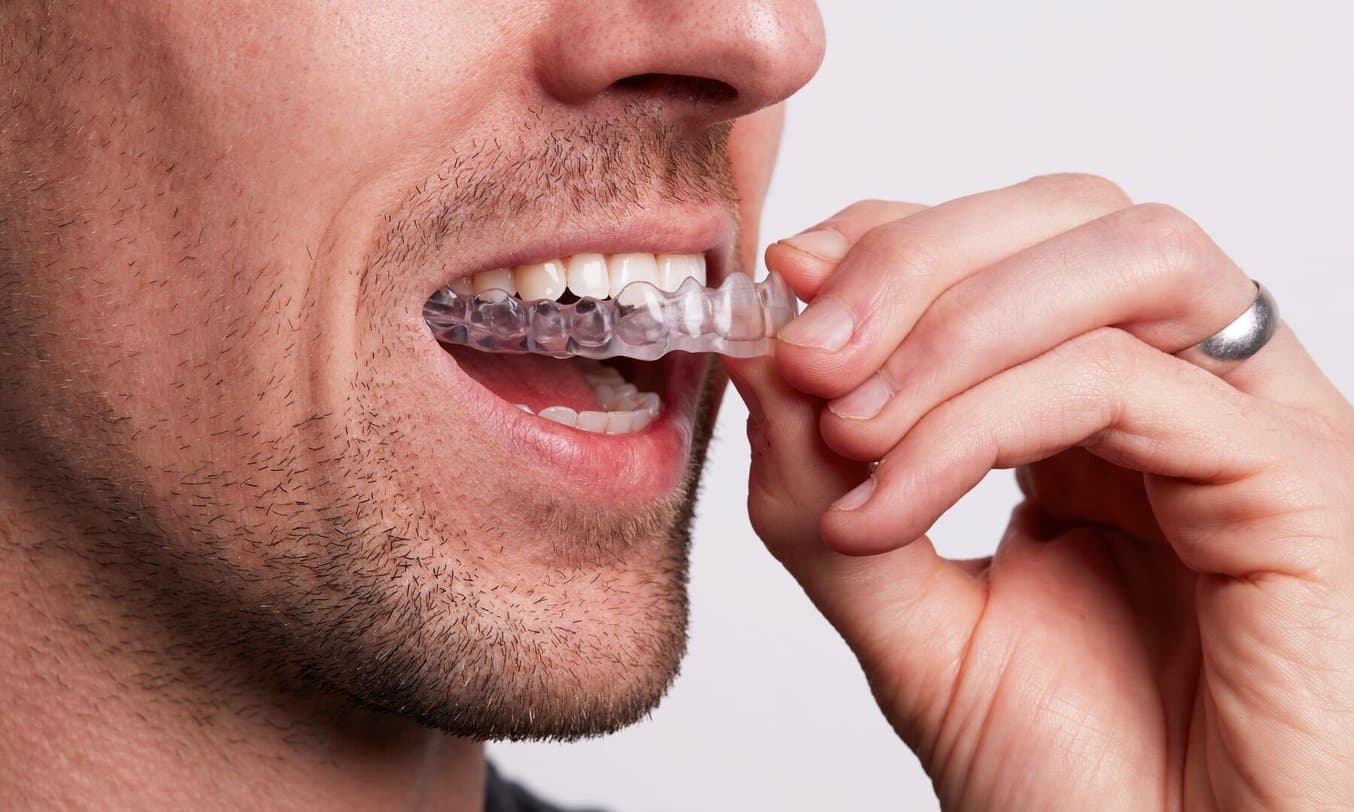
x=696 y=90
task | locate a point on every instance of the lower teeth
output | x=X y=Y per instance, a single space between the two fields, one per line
x=739 y=318
x=627 y=410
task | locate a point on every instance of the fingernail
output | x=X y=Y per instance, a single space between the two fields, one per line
x=825 y=243
x=824 y=325
x=865 y=401
x=856 y=497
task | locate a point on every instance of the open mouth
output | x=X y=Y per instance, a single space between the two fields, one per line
x=620 y=397
x=581 y=340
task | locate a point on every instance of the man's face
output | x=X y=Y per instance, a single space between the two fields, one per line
x=219 y=224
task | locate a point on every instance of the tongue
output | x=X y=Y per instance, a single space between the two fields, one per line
x=536 y=380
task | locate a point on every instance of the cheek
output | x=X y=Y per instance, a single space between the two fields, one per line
x=753 y=143
x=308 y=101
x=196 y=288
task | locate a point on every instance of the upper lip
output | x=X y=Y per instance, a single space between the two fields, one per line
x=708 y=232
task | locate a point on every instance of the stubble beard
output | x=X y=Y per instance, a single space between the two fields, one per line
x=379 y=603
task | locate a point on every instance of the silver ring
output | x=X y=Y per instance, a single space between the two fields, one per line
x=1239 y=340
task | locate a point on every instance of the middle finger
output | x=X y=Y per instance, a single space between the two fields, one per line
x=1148 y=270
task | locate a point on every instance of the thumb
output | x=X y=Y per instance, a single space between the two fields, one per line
x=907 y=614
x=794 y=475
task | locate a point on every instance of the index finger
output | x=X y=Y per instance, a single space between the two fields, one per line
x=894 y=271
x=808 y=259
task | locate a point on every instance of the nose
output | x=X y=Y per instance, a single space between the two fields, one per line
x=704 y=61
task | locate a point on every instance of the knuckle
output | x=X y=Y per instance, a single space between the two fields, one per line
x=1173 y=244
x=864 y=213
x=1330 y=434
x=889 y=266
x=901 y=250
x=1111 y=354
x=953 y=331
x=863 y=208
x=960 y=414
x=1096 y=191
x=1110 y=363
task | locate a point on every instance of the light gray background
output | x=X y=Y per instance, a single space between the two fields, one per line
x=1236 y=112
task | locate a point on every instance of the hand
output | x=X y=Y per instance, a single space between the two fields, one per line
x=1168 y=620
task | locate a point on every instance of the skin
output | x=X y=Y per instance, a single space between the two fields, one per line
x=252 y=541
x=1168 y=620
x=242 y=567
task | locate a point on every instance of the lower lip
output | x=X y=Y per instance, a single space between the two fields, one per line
x=606 y=468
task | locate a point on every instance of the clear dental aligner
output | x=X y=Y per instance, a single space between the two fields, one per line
x=642 y=321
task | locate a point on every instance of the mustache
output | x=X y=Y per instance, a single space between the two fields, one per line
x=549 y=170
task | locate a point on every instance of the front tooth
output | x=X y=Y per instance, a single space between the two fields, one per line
x=540 y=280
x=588 y=276
x=464 y=286
x=622 y=422
x=524 y=408
x=497 y=279
x=674 y=269
x=699 y=274
x=593 y=421
x=560 y=414
x=628 y=268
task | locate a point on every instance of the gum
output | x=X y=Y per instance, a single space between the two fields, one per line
x=739 y=318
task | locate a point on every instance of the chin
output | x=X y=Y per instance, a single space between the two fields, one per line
x=579 y=637
x=543 y=596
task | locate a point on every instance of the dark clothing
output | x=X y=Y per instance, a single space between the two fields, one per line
x=502 y=795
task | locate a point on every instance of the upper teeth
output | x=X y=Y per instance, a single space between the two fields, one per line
x=592 y=275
